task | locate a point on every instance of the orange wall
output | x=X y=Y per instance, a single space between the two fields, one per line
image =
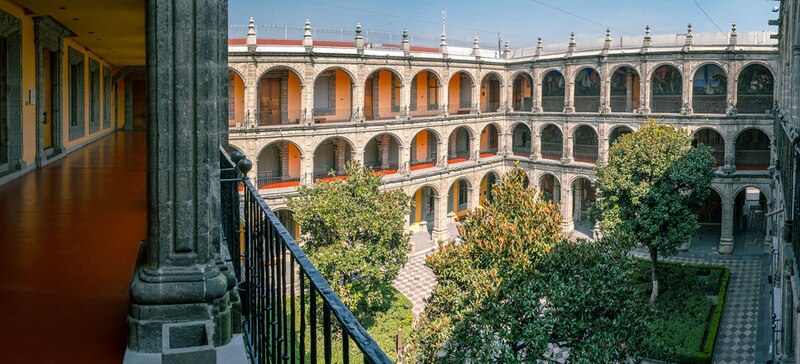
x=422 y=90
x=343 y=91
x=453 y=92
x=422 y=145
x=385 y=90
x=294 y=161
x=238 y=98
x=484 y=138
x=295 y=96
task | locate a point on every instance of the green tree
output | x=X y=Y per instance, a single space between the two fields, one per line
x=515 y=283
x=354 y=234
x=648 y=187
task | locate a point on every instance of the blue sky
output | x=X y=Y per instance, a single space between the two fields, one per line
x=519 y=21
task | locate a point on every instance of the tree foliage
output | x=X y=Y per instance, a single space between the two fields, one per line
x=514 y=284
x=648 y=187
x=354 y=234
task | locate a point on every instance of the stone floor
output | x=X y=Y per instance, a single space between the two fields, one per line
x=743 y=335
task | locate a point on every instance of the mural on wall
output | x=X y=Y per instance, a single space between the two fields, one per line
x=553 y=84
x=619 y=82
x=710 y=80
x=666 y=81
x=755 y=79
x=587 y=83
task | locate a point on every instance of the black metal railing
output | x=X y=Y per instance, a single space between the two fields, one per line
x=521 y=150
x=552 y=150
x=488 y=151
x=587 y=103
x=620 y=104
x=279 y=117
x=524 y=105
x=666 y=104
x=585 y=153
x=424 y=110
x=553 y=103
x=702 y=104
x=430 y=160
x=754 y=104
x=332 y=115
x=492 y=106
x=378 y=166
x=274 y=178
x=289 y=311
x=458 y=155
x=381 y=113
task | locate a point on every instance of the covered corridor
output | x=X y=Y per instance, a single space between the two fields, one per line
x=69 y=240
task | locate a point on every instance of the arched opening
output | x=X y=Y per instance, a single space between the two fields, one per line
x=552 y=142
x=487 y=183
x=587 y=91
x=550 y=188
x=584 y=145
x=330 y=159
x=488 y=142
x=709 y=90
x=458 y=146
x=279 y=95
x=460 y=93
x=333 y=96
x=625 y=86
x=490 y=93
x=755 y=90
x=279 y=166
x=666 y=90
x=521 y=140
x=616 y=133
x=286 y=217
x=749 y=222
x=458 y=198
x=382 y=154
x=710 y=138
x=522 y=93
x=236 y=116
x=709 y=215
x=382 y=92
x=423 y=212
x=423 y=150
x=425 y=88
x=583 y=197
x=553 y=91
x=752 y=150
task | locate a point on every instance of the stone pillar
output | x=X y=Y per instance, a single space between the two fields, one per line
x=687 y=81
x=566 y=139
x=577 y=201
x=569 y=89
x=383 y=148
x=283 y=151
x=440 y=219
x=726 y=232
x=340 y=153
x=629 y=89
x=605 y=91
x=733 y=81
x=307 y=168
x=308 y=97
x=644 y=91
x=537 y=91
x=441 y=154
x=566 y=207
x=451 y=144
x=179 y=292
x=357 y=101
x=536 y=137
x=503 y=143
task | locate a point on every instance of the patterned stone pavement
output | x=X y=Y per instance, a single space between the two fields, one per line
x=739 y=331
x=738 y=336
x=416 y=281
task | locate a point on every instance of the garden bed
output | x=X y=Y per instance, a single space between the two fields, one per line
x=688 y=310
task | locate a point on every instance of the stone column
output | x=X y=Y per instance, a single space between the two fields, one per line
x=307 y=168
x=733 y=91
x=383 y=147
x=726 y=232
x=536 y=137
x=308 y=98
x=644 y=91
x=283 y=150
x=440 y=219
x=629 y=89
x=605 y=90
x=357 y=101
x=441 y=154
x=729 y=155
x=178 y=292
x=537 y=91
x=340 y=153
x=569 y=90
x=566 y=140
x=686 y=108
x=577 y=201
x=451 y=144
x=566 y=207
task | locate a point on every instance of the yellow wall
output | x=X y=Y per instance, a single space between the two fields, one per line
x=483 y=190
x=71 y=43
x=294 y=161
x=293 y=102
x=238 y=99
x=418 y=206
x=343 y=91
x=422 y=145
x=453 y=92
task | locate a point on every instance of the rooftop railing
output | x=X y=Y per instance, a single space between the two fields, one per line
x=289 y=311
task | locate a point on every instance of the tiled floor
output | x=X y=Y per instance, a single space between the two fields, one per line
x=69 y=236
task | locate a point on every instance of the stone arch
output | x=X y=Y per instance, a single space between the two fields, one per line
x=288 y=68
x=625 y=84
x=459 y=146
x=752 y=149
x=459 y=94
x=553 y=90
x=616 y=132
x=279 y=96
x=489 y=140
x=279 y=165
x=236 y=99
x=522 y=91
x=458 y=196
x=666 y=88
x=488 y=180
x=549 y=186
x=383 y=96
x=324 y=162
x=584 y=196
x=383 y=154
x=490 y=92
x=426 y=98
x=750 y=204
x=423 y=151
x=711 y=137
x=755 y=85
x=396 y=73
x=709 y=87
x=349 y=73
x=585 y=143
x=332 y=101
x=521 y=139
x=272 y=142
x=551 y=141
x=587 y=88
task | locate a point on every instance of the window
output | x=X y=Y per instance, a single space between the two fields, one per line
x=76 y=94
x=433 y=92
x=94 y=96
x=462 y=194
x=106 y=98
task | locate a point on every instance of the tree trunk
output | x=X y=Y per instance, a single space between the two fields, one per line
x=654 y=267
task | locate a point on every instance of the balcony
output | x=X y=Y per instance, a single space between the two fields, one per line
x=273 y=180
x=552 y=150
x=430 y=162
x=423 y=110
x=279 y=117
x=382 y=113
x=754 y=104
x=553 y=103
x=289 y=311
x=322 y=116
x=587 y=103
x=709 y=104
x=666 y=104
x=458 y=157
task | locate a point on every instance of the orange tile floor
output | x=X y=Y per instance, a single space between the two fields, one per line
x=69 y=236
